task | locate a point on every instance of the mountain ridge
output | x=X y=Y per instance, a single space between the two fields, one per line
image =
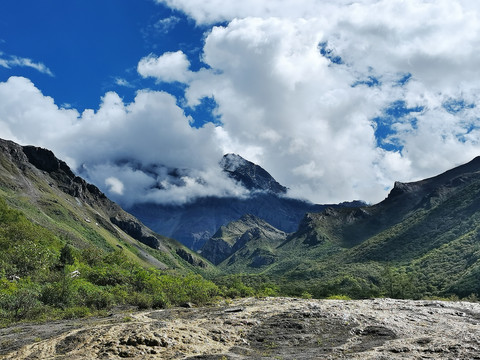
x=194 y=223
x=230 y=239
x=423 y=239
x=37 y=173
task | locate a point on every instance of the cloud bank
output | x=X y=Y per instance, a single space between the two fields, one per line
x=138 y=152
x=336 y=99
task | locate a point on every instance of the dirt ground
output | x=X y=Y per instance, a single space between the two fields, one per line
x=271 y=328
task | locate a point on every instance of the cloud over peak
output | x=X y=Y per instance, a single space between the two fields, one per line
x=335 y=99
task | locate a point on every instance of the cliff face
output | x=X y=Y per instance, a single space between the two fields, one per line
x=65 y=200
x=252 y=176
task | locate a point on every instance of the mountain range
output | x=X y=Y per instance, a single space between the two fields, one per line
x=422 y=240
x=194 y=223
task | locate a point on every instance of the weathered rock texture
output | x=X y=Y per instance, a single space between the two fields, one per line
x=273 y=328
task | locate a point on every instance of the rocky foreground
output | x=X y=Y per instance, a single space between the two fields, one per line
x=272 y=328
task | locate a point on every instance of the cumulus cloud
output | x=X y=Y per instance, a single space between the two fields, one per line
x=303 y=95
x=169 y=67
x=214 y=11
x=336 y=99
x=142 y=151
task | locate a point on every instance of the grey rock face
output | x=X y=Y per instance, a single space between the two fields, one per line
x=250 y=175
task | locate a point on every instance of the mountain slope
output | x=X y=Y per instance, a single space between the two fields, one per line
x=194 y=223
x=423 y=239
x=44 y=188
x=252 y=176
x=249 y=239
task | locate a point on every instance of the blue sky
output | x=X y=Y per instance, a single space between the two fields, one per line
x=336 y=99
x=91 y=47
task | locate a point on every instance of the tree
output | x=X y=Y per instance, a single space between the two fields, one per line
x=66 y=256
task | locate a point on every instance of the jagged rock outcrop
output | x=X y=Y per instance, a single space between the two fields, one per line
x=135 y=230
x=51 y=185
x=191 y=259
x=45 y=160
x=250 y=175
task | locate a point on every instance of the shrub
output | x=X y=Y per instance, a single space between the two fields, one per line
x=20 y=299
x=141 y=300
x=94 y=297
x=76 y=312
x=338 y=297
x=306 y=295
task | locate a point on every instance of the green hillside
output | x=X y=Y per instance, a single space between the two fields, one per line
x=67 y=250
x=422 y=241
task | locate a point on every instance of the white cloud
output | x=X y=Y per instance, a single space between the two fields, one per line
x=27 y=116
x=300 y=88
x=123 y=82
x=14 y=61
x=169 y=67
x=130 y=150
x=214 y=11
x=296 y=112
x=165 y=25
x=114 y=185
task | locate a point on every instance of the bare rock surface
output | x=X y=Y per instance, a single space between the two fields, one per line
x=272 y=328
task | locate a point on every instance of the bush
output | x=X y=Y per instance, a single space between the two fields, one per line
x=141 y=300
x=306 y=295
x=61 y=293
x=94 y=297
x=76 y=312
x=269 y=290
x=20 y=299
x=233 y=287
x=106 y=275
x=338 y=297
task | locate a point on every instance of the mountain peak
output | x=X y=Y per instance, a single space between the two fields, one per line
x=250 y=175
x=231 y=162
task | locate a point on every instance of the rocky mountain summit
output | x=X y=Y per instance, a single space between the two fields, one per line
x=270 y=328
x=250 y=175
x=194 y=223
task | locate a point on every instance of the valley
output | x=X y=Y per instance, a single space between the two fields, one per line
x=80 y=277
